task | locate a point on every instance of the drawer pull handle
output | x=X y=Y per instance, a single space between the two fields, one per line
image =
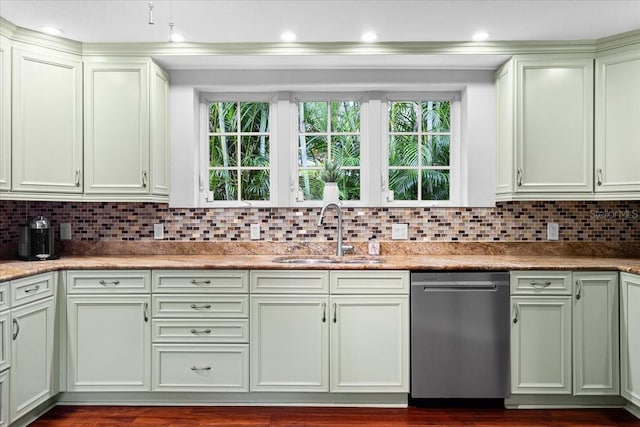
x=35 y=288
x=519 y=177
x=16 y=326
x=144 y=179
x=146 y=312
x=515 y=313
x=197 y=332
x=206 y=368
x=198 y=307
x=599 y=176
x=335 y=312
x=112 y=282
x=578 y=289
x=200 y=282
x=77 y=180
x=324 y=312
x=540 y=284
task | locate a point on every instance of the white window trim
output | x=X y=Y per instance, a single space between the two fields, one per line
x=203 y=189
x=455 y=154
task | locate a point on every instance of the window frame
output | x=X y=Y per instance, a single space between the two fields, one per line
x=203 y=184
x=455 y=149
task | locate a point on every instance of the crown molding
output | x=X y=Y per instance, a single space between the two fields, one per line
x=25 y=35
x=6 y=28
x=618 y=41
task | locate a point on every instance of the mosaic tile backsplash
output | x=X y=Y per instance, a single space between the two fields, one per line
x=611 y=221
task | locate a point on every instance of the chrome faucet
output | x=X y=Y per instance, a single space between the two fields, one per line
x=340 y=249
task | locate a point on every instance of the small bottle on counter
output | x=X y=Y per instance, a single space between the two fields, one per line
x=374 y=246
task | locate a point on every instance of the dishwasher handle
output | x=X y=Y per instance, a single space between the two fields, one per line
x=458 y=286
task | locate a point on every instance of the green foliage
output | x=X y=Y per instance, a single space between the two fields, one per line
x=331 y=172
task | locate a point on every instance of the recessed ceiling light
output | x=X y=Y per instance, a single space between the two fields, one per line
x=480 y=36
x=369 y=37
x=176 y=38
x=288 y=36
x=54 y=31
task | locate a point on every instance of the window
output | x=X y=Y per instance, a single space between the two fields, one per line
x=419 y=148
x=329 y=131
x=239 y=151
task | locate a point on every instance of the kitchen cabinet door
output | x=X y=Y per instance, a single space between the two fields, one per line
x=46 y=120
x=159 y=128
x=617 y=139
x=4 y=398
x=541 y=345
x=5 y=340
x=116 y=132
x=630 y=337
x=554 y=124
x=504 y=128
x=31 y=372
x=5 y=114
x=595 y=334
x=369 y=343
x=109 y=343
x=289 y=338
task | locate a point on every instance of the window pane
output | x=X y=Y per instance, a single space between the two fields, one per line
x=345 y=116
x=349 y=185
x=254 y=116
x=403 y=150
x=223 y=117
x=403 y=117
x=255 y=151
x=436 y=116
x=223 y=184
x=312 y=117
x=404 y=184
x=435 y=184
x=312 y=150
x=255 y=185
x=346 y=150
x=435 y=150
x=310 y=184
x=223 y=151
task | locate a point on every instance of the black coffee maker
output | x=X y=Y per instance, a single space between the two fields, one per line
x=36 y=240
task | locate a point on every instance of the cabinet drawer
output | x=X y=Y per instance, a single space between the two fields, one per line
x=31 y=289
x=200 y=306
x=198 y=281
x=108 y=281
x=294 y=282
x=541 y=283
x=5 y=340
x=201 y=330
x=5 y=296
x=201 y=367
x=369 y=282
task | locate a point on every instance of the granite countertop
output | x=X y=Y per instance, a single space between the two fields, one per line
x=16 y=269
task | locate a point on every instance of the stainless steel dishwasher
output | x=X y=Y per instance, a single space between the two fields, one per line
x=460 y=335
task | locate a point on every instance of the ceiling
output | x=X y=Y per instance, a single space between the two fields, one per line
x=326 y=21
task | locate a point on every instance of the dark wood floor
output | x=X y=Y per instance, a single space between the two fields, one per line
x=76 y=416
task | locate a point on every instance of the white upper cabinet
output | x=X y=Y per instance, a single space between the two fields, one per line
x=554 y=124
x=116 y=107
x=159 y=129
x=46 y=120
x=504 y=129
x=5 y=114
x=617 y=139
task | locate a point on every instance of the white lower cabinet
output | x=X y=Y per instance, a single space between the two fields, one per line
x=290 y=343
x=369 y=343
x=4 y=398
x=630 y=337
x=349 y=341
x=109 y=343
x=5 y=340
x=564 y=338
x=31 y=371
x=201 y=367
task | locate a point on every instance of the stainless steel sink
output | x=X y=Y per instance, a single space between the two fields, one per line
x=323 y=260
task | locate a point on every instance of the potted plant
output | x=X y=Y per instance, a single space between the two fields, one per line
x=330 y=174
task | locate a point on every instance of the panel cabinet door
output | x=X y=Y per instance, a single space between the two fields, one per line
x=5 y=114
x=595 y=334
x=630 y=337
x=4 y=398
x=109 y=339
x=47 y=120
x=504 y=129
x=554 y=124
x=116 y=131
x=617 y=143
x=289 y=338
x=5 y=340
x=159 y=128
x=541 y=345
x=369 y=344
x=31 y=372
